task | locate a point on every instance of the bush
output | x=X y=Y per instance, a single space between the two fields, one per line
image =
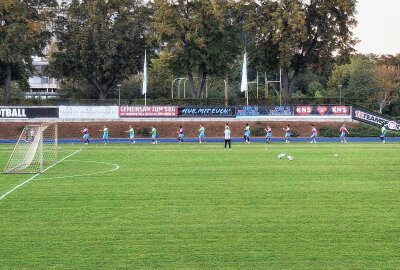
x=364 y=130
x=295 y=133
x=361 y=130
x=328 y=132
x=258 y=132
x=144 y=132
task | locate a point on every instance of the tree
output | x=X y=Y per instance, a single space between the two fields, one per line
x=101 y=41
x=24 y=32
x=200 y=36
x=355 y=80
x=387 y=83
x=160 y=76
x=299 y=35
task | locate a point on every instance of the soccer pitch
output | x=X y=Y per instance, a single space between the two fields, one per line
x=191 y=206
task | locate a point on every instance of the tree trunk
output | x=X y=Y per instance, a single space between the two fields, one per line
x=288 y=86
x=292 y=85
x=191 y=81
x=382 y=103
x=202 y=80
x=285 y=86
x=381 y=106
x=102 y=89
x=7 y=85
x=226 y=90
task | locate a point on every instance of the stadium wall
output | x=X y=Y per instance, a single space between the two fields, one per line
x=167 y=119
x=168 y=129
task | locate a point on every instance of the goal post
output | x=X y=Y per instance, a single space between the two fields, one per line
x=35 y=150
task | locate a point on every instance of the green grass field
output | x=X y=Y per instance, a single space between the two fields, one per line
x=199 y=207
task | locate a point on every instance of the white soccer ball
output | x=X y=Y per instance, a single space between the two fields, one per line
x=290 y=158
x=335 y=155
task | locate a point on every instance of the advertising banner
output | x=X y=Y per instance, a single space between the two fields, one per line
x=88 y=112
x=322 y=110
x=207 y=111
x=374 y=119
x=280 y=111
x=28 y=112
x=148 y=111
x=251 y=111
x=339 y=110
x=264 y=111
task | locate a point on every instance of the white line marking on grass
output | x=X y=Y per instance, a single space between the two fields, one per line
x=116 y=167
x=36 y=175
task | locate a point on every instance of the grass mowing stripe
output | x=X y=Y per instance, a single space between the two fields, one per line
x=36 y=175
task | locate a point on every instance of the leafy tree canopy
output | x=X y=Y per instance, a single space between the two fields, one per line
x=294 y=35
x=102 y=41
x=24 y=33
x=200 y=35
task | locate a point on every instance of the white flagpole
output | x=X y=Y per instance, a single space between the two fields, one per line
x=244 y=85
x=144 y=89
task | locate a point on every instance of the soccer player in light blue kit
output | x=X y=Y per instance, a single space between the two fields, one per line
x=153 y=133
x=247 y=133
x=105 y=134
x=131 y=132
x=202 y=134
x=383 y=134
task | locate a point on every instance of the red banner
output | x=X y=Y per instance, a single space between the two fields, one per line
x=148 y=111
x=340 y=110
x=303 y=110
x=322 y=110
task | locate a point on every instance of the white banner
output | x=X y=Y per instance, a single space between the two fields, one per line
x=88 y=112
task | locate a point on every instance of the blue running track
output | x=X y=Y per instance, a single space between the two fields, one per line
x=221 y=140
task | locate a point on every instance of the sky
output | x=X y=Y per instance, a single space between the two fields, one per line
x=378 y=26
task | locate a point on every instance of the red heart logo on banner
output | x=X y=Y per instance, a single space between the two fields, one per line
x=322 y=110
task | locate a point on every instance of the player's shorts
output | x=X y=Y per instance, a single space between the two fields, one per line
x=181 y=136
x=132 y=136
x=153 y=136
x=343 y=135
x=313 y=135
x=105 y=136
x=288 y=134
x=269 y=135
x=247 y=134
x=201 y=136
x=86 y=136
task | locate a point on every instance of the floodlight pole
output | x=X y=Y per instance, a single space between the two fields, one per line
x=280 y=87
x=119 y=94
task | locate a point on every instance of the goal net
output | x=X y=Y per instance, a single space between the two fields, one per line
x=35 y=150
